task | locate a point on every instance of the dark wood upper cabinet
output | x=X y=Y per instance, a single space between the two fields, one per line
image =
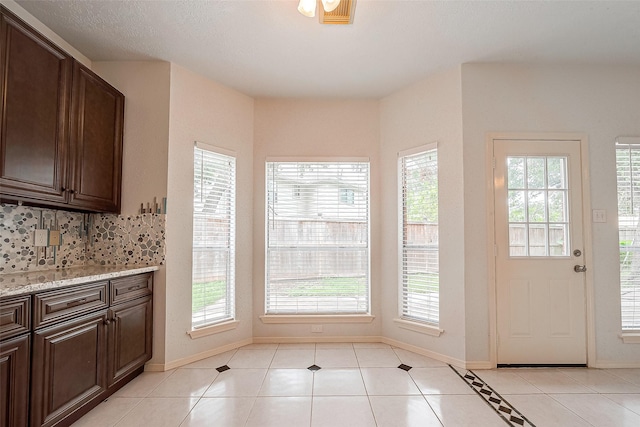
x=62 y=126
x=96 y=142
x=36 y=90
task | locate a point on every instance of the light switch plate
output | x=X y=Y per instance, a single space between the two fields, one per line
x=599 y=215
x=54 y=238
x=41 y=237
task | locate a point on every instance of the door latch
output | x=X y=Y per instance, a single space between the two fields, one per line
x=580 y=268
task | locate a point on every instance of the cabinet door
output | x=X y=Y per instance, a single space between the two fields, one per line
x=130 y=334
x=35 y=77
x=97 y=116
x=68 y=368
x=14 y=381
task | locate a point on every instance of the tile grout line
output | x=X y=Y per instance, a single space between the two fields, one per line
x=313 y=381
x=485 y=392
x=416 y=384
x=255 y=399
x=364 y=384
x=204 y=392
x=146 y=396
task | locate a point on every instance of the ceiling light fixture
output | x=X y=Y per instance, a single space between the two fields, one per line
x=330 y=5
x=332 y=12
x=307 y=8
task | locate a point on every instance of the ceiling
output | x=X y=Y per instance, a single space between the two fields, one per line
x=265 y=48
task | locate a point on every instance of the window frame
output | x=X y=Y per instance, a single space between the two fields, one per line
x=228 y=320
x=628 y=144
x=415 y=323
x=281 y=316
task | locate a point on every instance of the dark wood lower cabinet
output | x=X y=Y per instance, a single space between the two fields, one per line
x=14 y=381
x=64 y=351
x=68 y=369
x=130 y=333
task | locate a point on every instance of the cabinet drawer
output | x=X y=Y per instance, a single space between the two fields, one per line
x=55 y=306
x=15 y=316
x=132 y=287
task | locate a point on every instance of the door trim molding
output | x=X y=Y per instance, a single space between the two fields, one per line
x=586 y=225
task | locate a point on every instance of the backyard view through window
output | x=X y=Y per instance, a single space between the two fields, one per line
x=420 y=281
x=213 y=272
x=628 y=172
x=317 y=259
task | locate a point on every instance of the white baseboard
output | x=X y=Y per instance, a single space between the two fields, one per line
x=608 y=364
x=304 y=340
x=373 y=339
x=438 y=356
x=479 y=364
x=161 y=367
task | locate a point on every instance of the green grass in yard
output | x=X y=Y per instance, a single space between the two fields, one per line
x=416 y=282
x=328 y=287
x=204 y=294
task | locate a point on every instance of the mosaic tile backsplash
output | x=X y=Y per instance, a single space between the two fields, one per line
x=127 y=240
x=87 y=239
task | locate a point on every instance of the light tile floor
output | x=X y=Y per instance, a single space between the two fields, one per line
x=360 y=385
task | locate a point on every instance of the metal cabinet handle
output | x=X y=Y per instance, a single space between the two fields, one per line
x=133 y=288
x=76 y=302
x=580 y=268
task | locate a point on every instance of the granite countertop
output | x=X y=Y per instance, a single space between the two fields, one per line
x=26 y=282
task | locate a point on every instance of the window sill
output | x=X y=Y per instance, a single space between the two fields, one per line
x=630 y=337
x=213 y=329
x=434 y=331
x=319 y=318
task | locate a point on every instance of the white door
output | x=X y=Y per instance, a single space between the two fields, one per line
x=541 y=317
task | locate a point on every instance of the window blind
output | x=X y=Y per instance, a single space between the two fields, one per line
x=420 y=278
x=213 y=272
x=317 y=238
x=628 y=185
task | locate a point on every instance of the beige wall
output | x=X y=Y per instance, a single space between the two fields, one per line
x=428 y=111
x=145 y=86
x=168 y=107
x=600 y=101
x=202 y=110
x=310 y=128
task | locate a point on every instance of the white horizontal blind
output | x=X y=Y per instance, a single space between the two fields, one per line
x=213 y=273
x=317 y=238
x=420 y=277
x=628 y=172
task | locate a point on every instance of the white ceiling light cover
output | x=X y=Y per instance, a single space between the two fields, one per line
x=330 y=5
x=307 y=8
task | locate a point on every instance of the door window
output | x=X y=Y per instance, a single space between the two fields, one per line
x=538 y=206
